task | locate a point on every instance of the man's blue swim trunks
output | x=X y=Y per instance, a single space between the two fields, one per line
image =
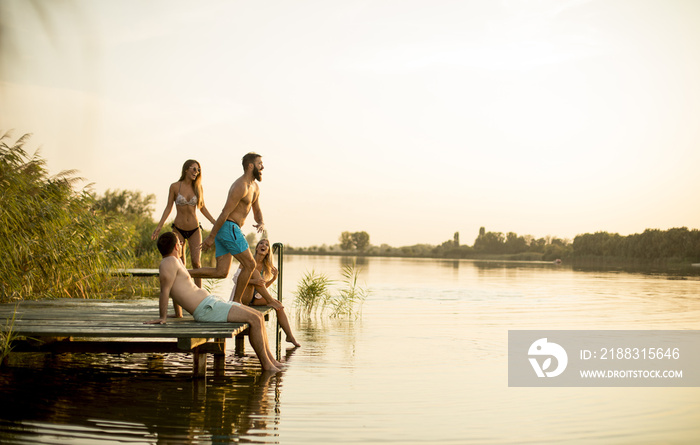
x=213 y=310
x=230 y=239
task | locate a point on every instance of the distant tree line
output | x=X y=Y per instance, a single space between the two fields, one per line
x=653 y=245
x=509 y=246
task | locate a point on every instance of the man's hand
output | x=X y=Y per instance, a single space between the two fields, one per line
x=207 y=243
x=259 y=227
x=158 y=321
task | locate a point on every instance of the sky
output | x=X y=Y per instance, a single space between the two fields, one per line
x=410 y=120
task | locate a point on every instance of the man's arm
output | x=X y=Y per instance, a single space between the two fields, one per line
x=235 y=195
x=207 y=215
x=167 y=273
x=178 y=310
x=257 y=214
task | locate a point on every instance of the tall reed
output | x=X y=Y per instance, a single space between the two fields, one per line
x=347 y=302
x=314 y=294
x=53 y=242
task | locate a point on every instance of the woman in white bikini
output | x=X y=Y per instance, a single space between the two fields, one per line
x=187 y=196
x=256 y=293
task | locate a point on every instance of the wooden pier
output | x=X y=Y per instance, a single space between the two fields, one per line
x=117 y=326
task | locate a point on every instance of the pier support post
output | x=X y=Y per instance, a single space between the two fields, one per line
x=199 y=363
x=220 y=357
x=240 y=342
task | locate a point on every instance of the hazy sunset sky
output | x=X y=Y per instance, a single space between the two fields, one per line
x=409 y=119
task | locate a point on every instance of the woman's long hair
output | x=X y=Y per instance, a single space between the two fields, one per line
x=197 y=181
x=267 y=260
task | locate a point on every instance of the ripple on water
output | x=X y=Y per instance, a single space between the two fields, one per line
x=136 y=398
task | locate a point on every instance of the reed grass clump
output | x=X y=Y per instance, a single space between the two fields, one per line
x=54 y=243
x=312 y=293
x=316 y=294
x=348 y=300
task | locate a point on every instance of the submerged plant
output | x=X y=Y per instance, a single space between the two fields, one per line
x=7 y=336
x=312 y=293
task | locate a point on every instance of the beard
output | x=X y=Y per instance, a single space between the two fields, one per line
x=256 y=174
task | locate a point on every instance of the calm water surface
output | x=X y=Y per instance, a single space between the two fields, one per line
x=425 y=363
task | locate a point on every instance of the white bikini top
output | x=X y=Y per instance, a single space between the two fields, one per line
x=181 y=201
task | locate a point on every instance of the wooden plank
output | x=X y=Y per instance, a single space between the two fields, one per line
x=112 y=318
x=185 y=331
x=113 y=347
x=134 y=272
x=188 y=344
x=96 y=347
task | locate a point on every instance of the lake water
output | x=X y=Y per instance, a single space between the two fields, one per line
x=426 y=362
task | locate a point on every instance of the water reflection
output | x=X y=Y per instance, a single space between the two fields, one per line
x=99 y=399
x=426 y=363
x=359 y=261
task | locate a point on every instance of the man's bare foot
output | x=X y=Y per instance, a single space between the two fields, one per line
x=272 y=368
x=293 y=341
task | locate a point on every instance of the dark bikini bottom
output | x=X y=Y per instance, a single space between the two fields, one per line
x=186 y=233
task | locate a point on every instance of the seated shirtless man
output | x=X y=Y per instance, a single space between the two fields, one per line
x=176 y=282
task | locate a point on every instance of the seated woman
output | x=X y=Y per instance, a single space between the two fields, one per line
x=256 y=293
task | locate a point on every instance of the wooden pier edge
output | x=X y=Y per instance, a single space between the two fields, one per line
x=117 y=326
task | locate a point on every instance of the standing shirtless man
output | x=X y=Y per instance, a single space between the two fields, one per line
x=176 y=282
x=226 y=233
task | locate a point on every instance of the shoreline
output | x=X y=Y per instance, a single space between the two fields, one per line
x=593 y=263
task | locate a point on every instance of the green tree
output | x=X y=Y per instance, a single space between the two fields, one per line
x=360 y=240
x=134 y=211
x=127 y=202
x=515 y=243
x=346 y=242
x=489 y=242
x=354 y=241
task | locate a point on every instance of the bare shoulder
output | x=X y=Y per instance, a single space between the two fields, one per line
x=238 y=183
x=238 y=187
x=169 y=264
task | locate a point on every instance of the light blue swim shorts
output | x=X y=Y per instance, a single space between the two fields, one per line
x=213 y=310
x=230 y=239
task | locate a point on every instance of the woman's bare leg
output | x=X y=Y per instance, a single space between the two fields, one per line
x=281 y=315
x=195 y=243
